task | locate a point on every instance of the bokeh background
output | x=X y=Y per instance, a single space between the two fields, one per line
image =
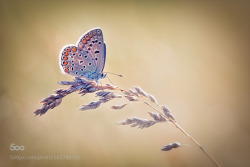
x=193 y=57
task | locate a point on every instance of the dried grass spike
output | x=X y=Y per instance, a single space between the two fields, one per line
x=152 y=98
x=171 y=146
x=66 y=82
x=139 y=122
x=157 y=117
x=168 y=113
x=132 y=98
x=133 y=92
x=92 y=105
x=118 y=107
x=140 y=91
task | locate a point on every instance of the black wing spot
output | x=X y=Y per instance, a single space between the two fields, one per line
x=90 y=64
x=74 y=54
x=84 y=66
x=73 y=64
x=72 y=61
x=81 y=69
x=96 y=58
x=85 y=56
x=81 y=61
x=93 y=41
x=88 y=48
x=99 y=42
x=72 y=69
x=76 y=72
x=97 y=51
x=80 y=55
x=90 y=44
x=96 y=41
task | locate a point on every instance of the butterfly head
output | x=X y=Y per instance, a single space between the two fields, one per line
x=103 y=75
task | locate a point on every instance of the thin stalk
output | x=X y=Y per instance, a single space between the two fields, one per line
x=176 y=125
x=198 y=144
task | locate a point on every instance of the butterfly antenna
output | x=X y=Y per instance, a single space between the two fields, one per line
x=113 y=74
x=110 y=80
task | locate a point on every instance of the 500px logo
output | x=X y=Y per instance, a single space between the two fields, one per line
x=14 y=147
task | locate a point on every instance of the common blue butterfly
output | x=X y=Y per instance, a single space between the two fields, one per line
x=86 y=58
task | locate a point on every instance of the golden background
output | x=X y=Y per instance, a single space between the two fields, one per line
x=193 y=57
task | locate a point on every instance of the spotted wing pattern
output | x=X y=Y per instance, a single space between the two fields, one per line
x=88 y=58
x=77 y=62
x=93 y=42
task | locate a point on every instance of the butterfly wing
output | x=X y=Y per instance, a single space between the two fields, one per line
x=93 y=43
x=77 y=62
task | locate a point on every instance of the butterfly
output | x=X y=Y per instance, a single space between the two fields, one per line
x=86 y=58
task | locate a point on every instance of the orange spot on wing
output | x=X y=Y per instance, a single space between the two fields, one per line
x=65 y=58
x=67 y=69
x=68 y=50
x=90 y=35
x=84 y=41
x=74 y=49
x=66 y=54
x=94 y=33
x=65 y=63
x=87 y=38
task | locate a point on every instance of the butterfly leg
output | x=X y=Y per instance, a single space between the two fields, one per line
x=97 y=81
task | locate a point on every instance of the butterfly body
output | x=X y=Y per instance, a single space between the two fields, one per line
x=86 y=58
